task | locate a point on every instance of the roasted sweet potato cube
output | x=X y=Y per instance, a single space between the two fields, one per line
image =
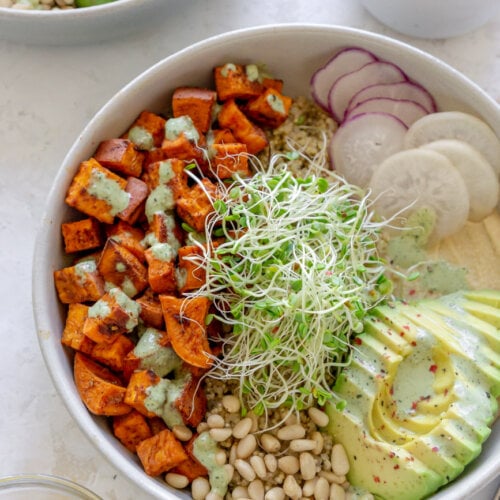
x=191 y=468
x=229 y=159
x=197 y=103
x=233 y=82
x=164 y=229
x=191 y=271
x=129 y=237
x=270 y=109
x=131 y=363
x=192 y=403
x=98 y=192
x=151 y=313
x=147 y=131
x=113 y=354
x=185 y=149
x=112 y=315
x=195 y=206
x=169 y=173
x=161 y=268
x=185 y=322
x=121 y=156
x=137 y=390
x=156 y=424
x=231 y=117
x=73 y=335
x=138 y=192
x=80 y=235
x=160 y=453
x=273 y=83
x=79 y=283
x=220 y=136
x=122 y=268
x=101 y=391
x=131 y=429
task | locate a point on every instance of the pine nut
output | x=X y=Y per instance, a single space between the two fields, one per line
x=319 y=440
x=246 y=446
x=255 y=422
x=242 y=428
x=239 y=492
x=231 y=403
x=215 y=422
x=320 y=418
x=258 y=466
x=292 y=488
x=275 y=493
x=289 y=464
x=269 y=443
x=229 y=471
x=213 y=496
x=220 y=457
x=271 y=462
x=182 y=433
x=256 y=490
x=245 y=469
x=220 y=434
x=202 y=427
x=321 y=489
x=337 y=492
x=331 y=477
x=232 y=454
x=299 y=445
x=308 y=487
x=200 y=488
x=289 y=432
x=307 y=466
x=340 y=462
x=178 y=481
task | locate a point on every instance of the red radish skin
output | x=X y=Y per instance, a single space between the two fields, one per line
x=401 y=90
x=346 y=86
x=360 y=144
x=343 y=62
x=407 y=111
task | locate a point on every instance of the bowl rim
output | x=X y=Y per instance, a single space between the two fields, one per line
x=65 y=386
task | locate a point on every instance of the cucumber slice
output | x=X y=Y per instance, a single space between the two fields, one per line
x=478 y=174
x=91 y=3
x=417 y=178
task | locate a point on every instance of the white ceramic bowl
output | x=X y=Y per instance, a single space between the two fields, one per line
x=79 y=26
x=291 y=52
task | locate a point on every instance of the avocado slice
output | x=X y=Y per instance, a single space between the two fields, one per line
x=420 y=393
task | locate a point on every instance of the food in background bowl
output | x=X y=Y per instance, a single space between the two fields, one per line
x=51 y=4
x=181 y=78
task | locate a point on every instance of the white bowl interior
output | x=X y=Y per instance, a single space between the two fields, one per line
x=290 y=52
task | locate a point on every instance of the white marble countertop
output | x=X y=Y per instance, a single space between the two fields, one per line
x=47 y=94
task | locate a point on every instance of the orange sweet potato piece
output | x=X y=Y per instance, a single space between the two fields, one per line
x=185 y=322
x=131 y=429
x=232 y=82
x=193 y=274
x=156 y=424
x=136 y=392
x=191 y=468
x=194 y=206
x=160 y=453
x=113 y=354
x=270 y=109
x=192 y=403
x=273 y=83
x=167 y=172
x=184 y=149
x=112 y=315
x=121 y=267
x=73 y=335
x=229 y=159
x=221 y=136
x=121 y=156
x=161 y=268
x=101 y=391
x=89 y=192
x=129 y=237
x=151 y=124
x=231 y=117
x=151 y=313
x=131 y=363
x=79 y=283
x=197 y=103
x=163 y=228
x=80 y=235
x=138 y=192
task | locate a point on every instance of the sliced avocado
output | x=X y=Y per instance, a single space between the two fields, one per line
x=486 y=312
x=489 y=297
x=387 y=335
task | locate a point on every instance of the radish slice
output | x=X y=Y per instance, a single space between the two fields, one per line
x=346 y=86
x=343 y=62
x=417 y=178
x=456 y=125
x=363 y=142
x=401 y=90
x=477 y=173
x=407 y=111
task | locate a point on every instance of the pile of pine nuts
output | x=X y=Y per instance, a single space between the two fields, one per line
x=294 y=459
x=38 y=4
